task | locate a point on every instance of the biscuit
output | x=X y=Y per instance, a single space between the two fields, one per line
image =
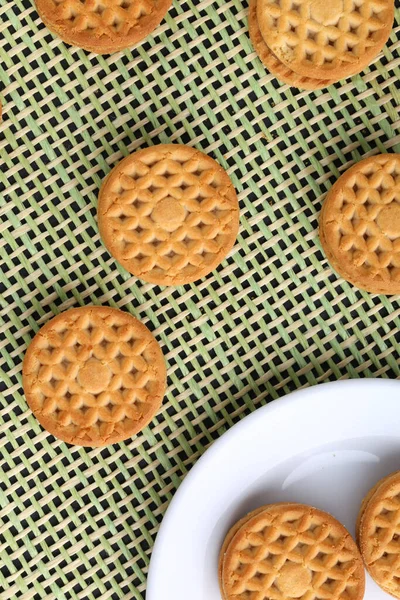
x=228 y=538
x=364 y=504
x=273 y=64
x=327 y=39
x=378 y=532
x=290 y=550
x=360 y=224
x=169 y=214
x=94 y=376
x=102 y=26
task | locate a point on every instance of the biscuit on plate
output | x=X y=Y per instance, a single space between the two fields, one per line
x=378 y=533
x=289 y=550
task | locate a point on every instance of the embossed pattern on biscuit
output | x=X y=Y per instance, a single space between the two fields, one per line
x=102 y=25
x=292 y=551
x=370 y=227
x=320 y=38
x=94 y=376
x=360 y=224
x=379 y=535
x=169 y=214
x=273 y=64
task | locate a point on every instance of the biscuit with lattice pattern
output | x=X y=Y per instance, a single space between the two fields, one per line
x=102 y=26
x=273 y=64
x=327 y=39
x=94 y=376
x=290 y=550
x=169 y=214
x=378 y=532
x=230 y=535
x=360 y=224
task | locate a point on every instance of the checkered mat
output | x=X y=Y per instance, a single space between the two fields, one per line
x=78 y=523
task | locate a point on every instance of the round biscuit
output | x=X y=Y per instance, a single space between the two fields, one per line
x=291 y=549
x=94 y=376
x=168 y=214
x=360 y=224
x=272 y=62
x=102 y=26
x=379 y=533
x=327 y=39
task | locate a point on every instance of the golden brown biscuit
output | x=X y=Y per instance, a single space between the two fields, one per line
x=327 y=39
x=169 y=214
x=364 y=504
x=273 y=64
x=378 y=533
x=360 y=224
x=228 y=538
x=232 y=532
x=94 y=376
x=291 y=550
x=102 y=26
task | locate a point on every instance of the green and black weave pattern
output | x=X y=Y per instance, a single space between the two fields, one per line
x=78 y=523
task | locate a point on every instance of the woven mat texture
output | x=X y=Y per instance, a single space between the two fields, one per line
x=78 y=523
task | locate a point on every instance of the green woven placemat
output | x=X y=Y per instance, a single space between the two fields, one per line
x=77 y=523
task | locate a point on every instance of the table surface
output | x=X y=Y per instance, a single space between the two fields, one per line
x=78 y=523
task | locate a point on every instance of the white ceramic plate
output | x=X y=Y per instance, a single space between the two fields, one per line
x=324 y=446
